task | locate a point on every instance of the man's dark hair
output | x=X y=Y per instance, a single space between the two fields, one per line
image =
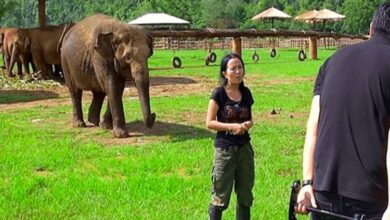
x=381 y=20
x=224 y=62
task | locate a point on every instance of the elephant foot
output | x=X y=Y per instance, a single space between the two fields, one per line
x=105 y=125
x=151 y=120
x=11 y=75
x=120 y=133
x=94 y=121
x=79 y=124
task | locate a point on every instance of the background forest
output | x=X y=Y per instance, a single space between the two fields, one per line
x=234 y=14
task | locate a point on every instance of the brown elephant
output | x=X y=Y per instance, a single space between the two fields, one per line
x=43 y=44
x=100 y=54
x=2 y=30
x=15 y=50
x=36 y=45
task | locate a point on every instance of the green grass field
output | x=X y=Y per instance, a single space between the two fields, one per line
x=49 y=170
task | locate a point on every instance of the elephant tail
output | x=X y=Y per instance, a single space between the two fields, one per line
x=67 y=27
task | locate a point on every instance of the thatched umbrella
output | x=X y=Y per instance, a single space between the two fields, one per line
x=328 y=15
x=307 y=16
x=271 y=14
x=323 y=16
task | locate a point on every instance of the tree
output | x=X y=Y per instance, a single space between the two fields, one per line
x=359 y=14
x=184 y=9
x=6 y=6
x=200 y=13
x=65 y=12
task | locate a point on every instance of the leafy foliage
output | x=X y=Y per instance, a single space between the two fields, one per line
x=201 y=13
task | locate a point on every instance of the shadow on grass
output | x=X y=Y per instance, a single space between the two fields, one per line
x=16 y=96
x=161 y=80
x=178 y=132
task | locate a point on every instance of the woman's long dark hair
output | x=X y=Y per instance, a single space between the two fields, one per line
x=225 y=60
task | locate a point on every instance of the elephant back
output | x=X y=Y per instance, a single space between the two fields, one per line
x=89 y=28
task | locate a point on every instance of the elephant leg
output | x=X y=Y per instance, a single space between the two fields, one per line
x=106 y=123
x=49 y=71
x=30 y=60
x=40 y=65
x=7 y=62
x=95 y=107
x=115 y=91
x=20 y=70
x=12 y=61
x=25 y=65
x=6 y=59
x=76 y=96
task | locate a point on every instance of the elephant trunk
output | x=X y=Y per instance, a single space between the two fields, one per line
x=141 y=79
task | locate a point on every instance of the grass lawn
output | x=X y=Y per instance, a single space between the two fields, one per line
x=49 y=170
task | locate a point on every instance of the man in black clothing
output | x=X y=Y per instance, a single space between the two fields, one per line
x=345 y=152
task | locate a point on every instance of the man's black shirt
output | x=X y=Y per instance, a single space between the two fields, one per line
x=350 y=153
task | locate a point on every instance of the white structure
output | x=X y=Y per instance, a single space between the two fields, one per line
x=160 y=20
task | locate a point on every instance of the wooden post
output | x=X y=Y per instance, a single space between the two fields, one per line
x=313 y=47
x=42 y=13
x=236 y=45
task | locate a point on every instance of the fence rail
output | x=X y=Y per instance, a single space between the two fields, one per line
x=171 y=43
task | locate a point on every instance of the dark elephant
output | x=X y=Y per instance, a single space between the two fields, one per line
x=100 y=54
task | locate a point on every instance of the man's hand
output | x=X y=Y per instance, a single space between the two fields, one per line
x=305 y=199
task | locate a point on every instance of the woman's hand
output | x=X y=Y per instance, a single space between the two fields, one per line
x=237 y=129
x=247 y=125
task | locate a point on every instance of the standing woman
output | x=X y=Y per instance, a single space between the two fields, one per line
x=229 y=113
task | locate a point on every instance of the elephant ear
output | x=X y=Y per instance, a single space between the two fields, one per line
x=104 y=45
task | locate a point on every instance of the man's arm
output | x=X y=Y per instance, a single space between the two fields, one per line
x=306 y=194
x=386 y=215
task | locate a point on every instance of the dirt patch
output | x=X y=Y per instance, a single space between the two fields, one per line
x=159 y=86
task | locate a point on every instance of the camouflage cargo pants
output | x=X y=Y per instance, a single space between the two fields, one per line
x=233 y=166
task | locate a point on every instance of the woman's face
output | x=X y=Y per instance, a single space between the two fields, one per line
x=234 y=72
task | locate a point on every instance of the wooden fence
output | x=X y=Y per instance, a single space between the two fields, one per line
x=170 y=43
